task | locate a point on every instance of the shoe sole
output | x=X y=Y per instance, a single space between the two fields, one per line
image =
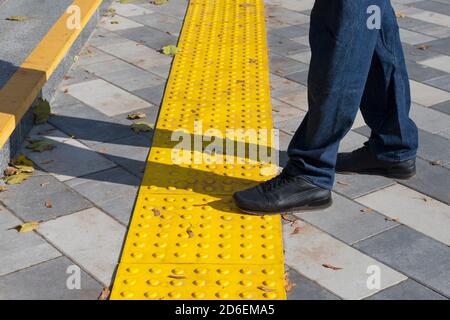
x=324 y=204
x=405 y=175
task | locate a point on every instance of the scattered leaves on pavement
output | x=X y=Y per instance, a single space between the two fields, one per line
x=17 y=18
x=423 y=46
x=400 y=15
x=141 y=127
x=156 y=212
x=288 y=285
x=21 y=160
x=16 y=178
x=137 y=115
x=329 y=266
x=40 y=145
x=48 y=204
x=159 y=2
x=104 y=295
x=366 y=210
x=27 y=226
x=42 y=111
x=436 y=163
x=391 y=219
x=266 y=289
x=170 y=50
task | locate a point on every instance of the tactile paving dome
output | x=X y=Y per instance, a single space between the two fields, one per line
x=187 y=239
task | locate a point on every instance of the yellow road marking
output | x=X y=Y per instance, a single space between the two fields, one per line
x=187 y=240
x=23 y=88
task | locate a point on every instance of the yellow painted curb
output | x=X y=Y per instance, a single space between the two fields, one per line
x=23 y=88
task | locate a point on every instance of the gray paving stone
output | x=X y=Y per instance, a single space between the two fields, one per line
x=151 y=115
x=424 y=27
x=27 y=200
x=162 y=70
x=48 y=281
x=290 y=32
x=91 y=238
x=434 y=148
x=414 y=38
x=433 y=181
x=113 y=190
x=306 y=289
x=413 y=53
x=289 y=126
x=151 y=37
x=68 y=159
x=282 y=65
x=282 y=111
x=161 y=22
x=101 y=36
x=20 y=250
x=407 y=290
x=433 y=6
x=88 y=124
x=356 y=185
x=442 y=107
x=290 y=17
x=284 y=46
x=300 y=77
x=421 y=73
x=133 y=79
x=428 y=119
x=347 y=221
x=154 y=95
x=414 y=254
x=172 y=8
x=442 y=82
x=130 y=153
x=105 y=97
x=440 y=45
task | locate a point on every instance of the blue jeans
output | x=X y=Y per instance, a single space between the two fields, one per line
x=353 y=67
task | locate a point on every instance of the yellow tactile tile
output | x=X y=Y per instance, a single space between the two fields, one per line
x=187 y=239
x=200 y=229
x=199 y=282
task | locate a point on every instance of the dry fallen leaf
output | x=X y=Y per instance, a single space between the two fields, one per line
x=17 y=18
x=42 y=111
x=343 y=183
x=43 y=184
x=175 y=276
x=137 y=115
x=296 y=231
x=265 y=289
x=366 y=210
x=436 y=163
x=287 y=218
x=159 y=2
x=391 y=219
x=16 y=178
x=141 y=127
x=40 y=145
x=3 y=188
x=156 y=212
x=329 y=266
x=9 y=171
x=423 y=46
x=170 y=50
x=400 y=15
x=288 y=285
x=104 y=295
x=48 y=204
x=190 y=233
x=27 y=226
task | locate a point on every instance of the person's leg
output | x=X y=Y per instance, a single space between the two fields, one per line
x=386 y=101
x=342 y=47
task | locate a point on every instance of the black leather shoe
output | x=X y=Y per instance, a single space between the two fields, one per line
x=364 y=161
x=282 y=194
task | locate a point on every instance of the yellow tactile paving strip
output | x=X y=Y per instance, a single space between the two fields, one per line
x=187 y=239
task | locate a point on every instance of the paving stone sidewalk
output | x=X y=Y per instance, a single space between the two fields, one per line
x=397 y=229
